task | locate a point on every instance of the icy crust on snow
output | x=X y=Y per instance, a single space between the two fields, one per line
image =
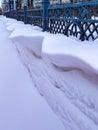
x=59 y=75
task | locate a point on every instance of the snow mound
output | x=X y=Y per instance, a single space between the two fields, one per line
x=12 y=23
x=58 y=76
x=68 y=54
x=36 y=28
x=24 y=31
x=15 y=25
x=21 y=106
x=67 y=93
x=30 y=38
x=31 y=43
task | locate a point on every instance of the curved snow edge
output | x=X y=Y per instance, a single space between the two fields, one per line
x=67 y=55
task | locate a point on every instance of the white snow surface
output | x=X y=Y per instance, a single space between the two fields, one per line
x=63 y=70
x=21 y=106
x=78 y=55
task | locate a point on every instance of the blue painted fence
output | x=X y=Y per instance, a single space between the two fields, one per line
x=71 y=19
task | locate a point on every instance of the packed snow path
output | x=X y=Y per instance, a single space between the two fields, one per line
x=21 y=107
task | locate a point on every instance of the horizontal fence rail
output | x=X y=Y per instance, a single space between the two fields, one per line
x=71 y=19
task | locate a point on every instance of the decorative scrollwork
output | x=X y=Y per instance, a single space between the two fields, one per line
x=78 y=18
x=90 y=30
x=75 y=29
x=83 y=12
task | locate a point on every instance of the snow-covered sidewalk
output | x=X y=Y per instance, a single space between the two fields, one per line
x=21 y=106
x=64 y=71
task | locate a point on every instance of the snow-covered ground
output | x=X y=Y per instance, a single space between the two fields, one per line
x=64 y=71
x=21 y=106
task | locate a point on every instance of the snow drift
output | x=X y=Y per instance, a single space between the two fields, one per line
x=21 y=106
x=65 y=72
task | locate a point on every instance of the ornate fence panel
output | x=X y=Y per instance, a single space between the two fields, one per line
x=78 y=19
x=36 y=17
x=20 y=15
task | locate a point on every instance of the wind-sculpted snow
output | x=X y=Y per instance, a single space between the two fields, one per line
x=72 y=55
x=65 y=75
x=86 y=52
x=34 y=47
x=21 y=106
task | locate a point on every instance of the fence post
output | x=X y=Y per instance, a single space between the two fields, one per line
x=45 y=15
x=25 y=14
x=17 y=14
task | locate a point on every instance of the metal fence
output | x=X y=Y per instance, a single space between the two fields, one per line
x=78 y=19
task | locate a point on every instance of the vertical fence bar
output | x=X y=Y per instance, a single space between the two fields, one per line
x=25 y=14
x=45 y=15
x=10 y=5
x=17 y=15
x=14 y=5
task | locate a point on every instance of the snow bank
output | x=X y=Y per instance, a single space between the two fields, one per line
x=21 y=106
x=33 y=36
x=59 y=75
x=69 y=54
x=66 y=92
x=31 y=43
